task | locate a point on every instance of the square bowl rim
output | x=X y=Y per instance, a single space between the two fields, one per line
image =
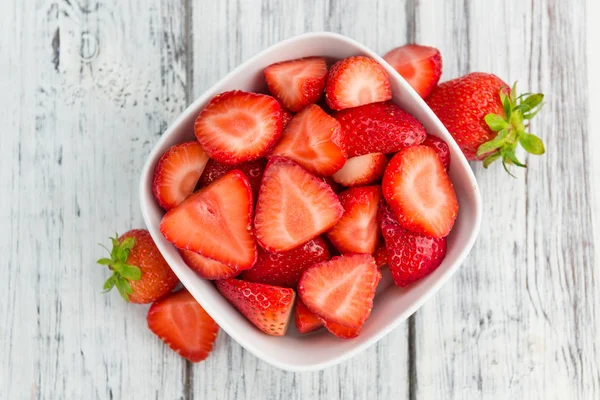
x=148 y=170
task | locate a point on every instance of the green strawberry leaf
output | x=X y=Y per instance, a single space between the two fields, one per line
x=490 y=159
x=104 y=261
x=496 y=122
x=532 y=144
x=123 y=287
x=130 y=272
x=122 y=272
x=109 y=284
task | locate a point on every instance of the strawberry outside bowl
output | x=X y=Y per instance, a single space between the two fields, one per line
x=392 y=305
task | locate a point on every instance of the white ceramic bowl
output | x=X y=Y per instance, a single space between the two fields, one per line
x=295 y=352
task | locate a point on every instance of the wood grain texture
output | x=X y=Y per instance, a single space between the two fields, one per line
x=519 y=319
x=78 y=133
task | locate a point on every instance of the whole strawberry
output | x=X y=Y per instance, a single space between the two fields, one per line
x=486 y=118
x=140 y=272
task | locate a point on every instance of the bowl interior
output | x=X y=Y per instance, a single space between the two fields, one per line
x=392 y=304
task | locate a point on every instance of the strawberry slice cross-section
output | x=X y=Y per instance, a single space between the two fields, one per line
x=216 y=222
x=341 y=290
x=239 y=126
x=179 y=321
x=419 y=191
x=357 y=231
x=314 y=140
x=207 y=268
x=177 y=173
x=421 y=66
x=297 y=83
x=356 y=81
x=267 y=307
x=293 y=206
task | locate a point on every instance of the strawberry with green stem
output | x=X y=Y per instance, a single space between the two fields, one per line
x=487 y=118
x=140 y=273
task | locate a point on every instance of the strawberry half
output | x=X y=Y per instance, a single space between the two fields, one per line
x=421 y=66
x=293 y=206
x=216 y=222
x=306 y=320
x=440 y=147
x=252 y=169
x=206 y=267
x=297 y=83
x=379 y=128
x=357 y=231
x=179 y=321
x=267 y=307
x=361 y=170
x=314 y=140
x=341 y=331
x=285 y=269
x=410 y=256
x=355 y=81
x=341 y=290
x=380 y=255
x=419 y=191
x=177 y=173
x=239 y=126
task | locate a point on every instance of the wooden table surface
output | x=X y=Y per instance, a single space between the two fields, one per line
x=87 y=88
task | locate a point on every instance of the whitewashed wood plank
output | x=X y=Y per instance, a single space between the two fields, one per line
x=225 y=34
x=519 y=320
x=79 y=134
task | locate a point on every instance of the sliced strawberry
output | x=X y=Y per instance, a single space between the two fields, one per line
x=357 y=231
x=421 y=66
x=440 y=147
x=355 y=81
x=379 y=128
x=381 y=255
x=239 y=126
x=252 y=169
x=340 y=331
x=268 y=307
x=306 y=321
x=410 y=256
x=419 y=191
x=293 y=206
x=341 y=290
x=285 y=269
x=297 y=83
x=336 y=187
x=361 y=170
x=177 y=172
x=206 y=267
x=314 y=140
x=179 y=321
x=215 y=222
x=286 y=117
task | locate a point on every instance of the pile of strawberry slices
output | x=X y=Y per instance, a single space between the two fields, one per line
x=293 y=201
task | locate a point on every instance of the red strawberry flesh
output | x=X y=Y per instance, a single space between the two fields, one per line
x=421 y=66
x=177 y=173
x=419 y=191
x=206 y=267
x=297 y=83
x=216 y=222
x=361 y=170
x=306 y=320
x=341 y=290
x=356 y=81
x=440 y=147
x=314 y=140
x=239 y=126
x=252 y=169
x=180 y=322
x=357 y=231
x=293 y=206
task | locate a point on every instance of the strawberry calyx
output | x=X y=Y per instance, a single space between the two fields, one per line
x=122 y=272
x=512 y=129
